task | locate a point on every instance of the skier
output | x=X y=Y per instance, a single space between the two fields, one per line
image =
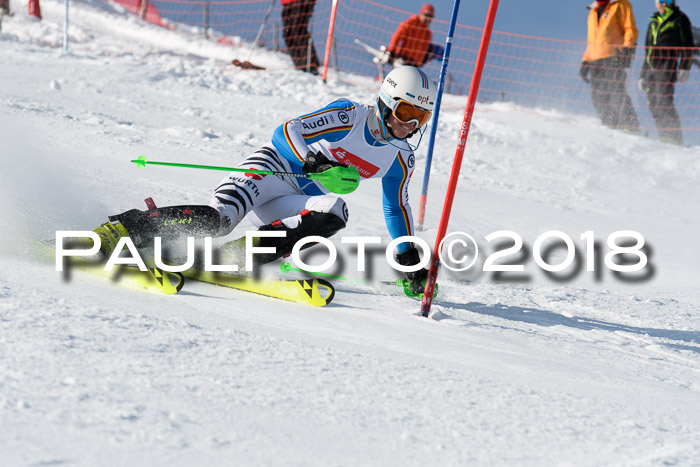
x=669 y=40
x=372 y=139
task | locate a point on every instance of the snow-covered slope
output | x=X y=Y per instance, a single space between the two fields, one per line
x=590 y=370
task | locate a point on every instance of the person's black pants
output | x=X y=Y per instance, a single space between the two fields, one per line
x=295 y=30
x=610 y=98
x=660 y=90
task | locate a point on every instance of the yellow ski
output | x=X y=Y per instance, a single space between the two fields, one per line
x=315 y=292
x=153 y=279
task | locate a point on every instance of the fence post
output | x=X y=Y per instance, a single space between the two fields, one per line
x=65 y=28
x=308 y=55
x=262 y=28
x=336 y=67
x=206 y=20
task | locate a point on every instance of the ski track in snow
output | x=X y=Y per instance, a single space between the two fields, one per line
x=531 y=372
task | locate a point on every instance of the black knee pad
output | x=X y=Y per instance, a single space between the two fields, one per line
x=312 y=223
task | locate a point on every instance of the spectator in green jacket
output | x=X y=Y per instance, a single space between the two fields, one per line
x=665 y=63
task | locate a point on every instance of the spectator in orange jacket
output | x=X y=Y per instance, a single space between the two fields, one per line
x=295 y=30
x=411 y=41
x=612 y=37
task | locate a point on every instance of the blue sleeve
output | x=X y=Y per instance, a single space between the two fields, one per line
x=397 y=211
x=331 y=123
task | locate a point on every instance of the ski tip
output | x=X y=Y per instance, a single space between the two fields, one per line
x=169 y=282
x=329 y=290
x=318 y=292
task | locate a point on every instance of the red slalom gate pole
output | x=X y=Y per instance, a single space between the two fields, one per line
x=457 y=164
x=329 y=41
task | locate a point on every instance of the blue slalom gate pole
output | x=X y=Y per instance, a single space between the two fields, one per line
x=436 y=114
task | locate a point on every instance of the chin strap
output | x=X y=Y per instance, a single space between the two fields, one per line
x=420 y=130
x=382 y=121
x=385 y=131
x=374 y=124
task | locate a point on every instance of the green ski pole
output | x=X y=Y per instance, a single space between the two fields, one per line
x=405 y=284
x=340 y=180
x=287 y=267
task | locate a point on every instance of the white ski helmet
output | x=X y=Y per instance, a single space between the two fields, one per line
x=409 y=94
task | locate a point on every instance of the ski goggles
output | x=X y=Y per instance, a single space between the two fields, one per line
x=405 y=112
x=665 y=2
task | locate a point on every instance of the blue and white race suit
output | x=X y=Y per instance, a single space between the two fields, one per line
x=344 y=131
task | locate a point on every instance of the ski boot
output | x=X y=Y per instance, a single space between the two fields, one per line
x=142 y=226
x=109 y=234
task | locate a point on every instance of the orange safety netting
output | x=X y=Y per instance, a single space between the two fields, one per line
x=526 y=70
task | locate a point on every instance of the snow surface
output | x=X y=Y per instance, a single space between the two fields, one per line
x=591 y=370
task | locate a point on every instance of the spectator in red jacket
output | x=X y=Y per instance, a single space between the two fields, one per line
x=411 y=41
x=295 y=30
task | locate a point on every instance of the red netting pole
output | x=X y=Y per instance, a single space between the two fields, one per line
x=329 y=41
x=457 y=164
